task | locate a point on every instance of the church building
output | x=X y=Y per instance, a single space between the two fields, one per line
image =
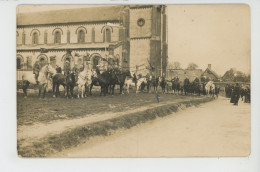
x=132 y=37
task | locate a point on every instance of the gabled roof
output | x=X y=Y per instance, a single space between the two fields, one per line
x=93 y=14
x=213 y=72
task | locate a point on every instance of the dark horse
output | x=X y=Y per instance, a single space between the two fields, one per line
x=195 y=88
x=155 y=83
x=176 y=85
x=163 y=84
x=101 y=80
x=117 y=77
x=68 y=82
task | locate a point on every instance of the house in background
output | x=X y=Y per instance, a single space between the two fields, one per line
x=210 y=74
x=191 y=74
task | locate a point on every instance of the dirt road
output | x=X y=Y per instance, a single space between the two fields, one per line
x=213 y=129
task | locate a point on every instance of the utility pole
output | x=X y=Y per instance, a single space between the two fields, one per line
x=161 y=13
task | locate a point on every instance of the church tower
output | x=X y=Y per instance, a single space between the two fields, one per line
x=148 y=39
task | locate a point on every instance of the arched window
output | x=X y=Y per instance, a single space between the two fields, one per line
x=95 y=62
x=43 y=60
x=19 y=62
x=81 y=36
x=107 y=35
x=29 y=63
x=57 y=37
x=35 y=38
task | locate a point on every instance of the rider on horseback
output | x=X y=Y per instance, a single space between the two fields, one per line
x=67 y=68
x=36 y=70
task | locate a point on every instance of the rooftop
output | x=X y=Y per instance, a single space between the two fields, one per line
x=93 y=14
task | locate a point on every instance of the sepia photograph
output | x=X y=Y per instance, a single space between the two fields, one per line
x=134 y=81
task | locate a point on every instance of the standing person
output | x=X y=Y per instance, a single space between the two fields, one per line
x=36 y=70
x=236 y=93
x=67 y=68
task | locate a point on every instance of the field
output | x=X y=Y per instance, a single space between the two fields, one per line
x=50 y=125
x=34 y=110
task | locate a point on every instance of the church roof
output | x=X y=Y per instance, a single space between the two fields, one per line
x=81 y=15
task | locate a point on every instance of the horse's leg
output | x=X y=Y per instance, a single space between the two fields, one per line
x=121 y=88
x=112 y=88
x=44 y=90
x=40 y=89
x=71 y=91
x=53 y=90
x=25 y=86
x=91 y=85
x=78 y=90
x=82 y=91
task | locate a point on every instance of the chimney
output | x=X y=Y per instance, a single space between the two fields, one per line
x=209 y=66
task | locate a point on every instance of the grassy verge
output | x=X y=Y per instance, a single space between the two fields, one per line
x=74 y=137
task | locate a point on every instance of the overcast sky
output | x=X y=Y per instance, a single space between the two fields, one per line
x=210 y=34
x=203 y=34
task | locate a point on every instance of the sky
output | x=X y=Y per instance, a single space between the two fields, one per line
x=210 y=34
x=203 y=34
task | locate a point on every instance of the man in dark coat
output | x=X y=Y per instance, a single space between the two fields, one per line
x=135 y=79
x=36 y=70
x=236 y=93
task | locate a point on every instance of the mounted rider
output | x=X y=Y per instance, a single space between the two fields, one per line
x=36 y=70
x=67 y=69
x=196 y=80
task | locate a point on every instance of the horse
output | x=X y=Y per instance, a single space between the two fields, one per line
x=176 y=85
x=210 y=88
x=163 y=84
x=44 y=79
x=100 y=79
x=67 y=81
x=186 y=86
x=139 y=83
x=129 y=82
x=118 y=77
x=195 y=88
x=84 y=80
x=155 y=83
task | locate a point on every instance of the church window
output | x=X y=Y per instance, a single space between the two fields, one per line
x=95 y=62
x=81 y=36
x=35 y=38
x=19 y=63
x=57 y=37
x=107 y=35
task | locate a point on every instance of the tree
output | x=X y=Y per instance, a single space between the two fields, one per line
x=235 y=76
x=174 y=65
x=229 y=75
x=192 y=66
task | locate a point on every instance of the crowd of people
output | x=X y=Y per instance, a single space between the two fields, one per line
x=236 y=92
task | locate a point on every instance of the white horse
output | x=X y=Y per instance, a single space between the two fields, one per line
x=129 y=83
x=139 y=82
x=44 y=79
x=84 y=79
x=210 y=88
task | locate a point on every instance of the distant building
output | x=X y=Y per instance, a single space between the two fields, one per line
x=210 y=74
x=191 y=74
x=132 y=36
